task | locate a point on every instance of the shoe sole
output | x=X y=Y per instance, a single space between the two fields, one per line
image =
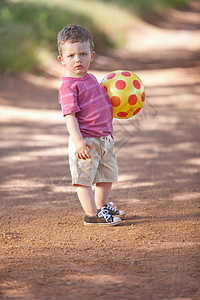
x=103 y=224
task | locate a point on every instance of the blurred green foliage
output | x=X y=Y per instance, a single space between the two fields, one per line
x=27 y=26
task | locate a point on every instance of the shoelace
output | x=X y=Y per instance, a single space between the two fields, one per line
x=111 y=207
x=104 y=212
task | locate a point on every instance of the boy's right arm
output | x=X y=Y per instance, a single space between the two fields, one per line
x=81 y=144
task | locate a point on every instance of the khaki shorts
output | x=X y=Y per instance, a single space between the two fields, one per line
x=101 y=167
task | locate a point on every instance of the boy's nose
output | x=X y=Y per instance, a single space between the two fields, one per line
x=78 y=58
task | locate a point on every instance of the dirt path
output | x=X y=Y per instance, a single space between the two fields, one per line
x=45 y=251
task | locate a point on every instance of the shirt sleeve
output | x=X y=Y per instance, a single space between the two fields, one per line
x=68 y=98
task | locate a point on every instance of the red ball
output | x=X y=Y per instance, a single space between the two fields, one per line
x=126 y=92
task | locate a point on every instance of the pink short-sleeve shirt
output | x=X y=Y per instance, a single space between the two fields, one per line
x=89 y=101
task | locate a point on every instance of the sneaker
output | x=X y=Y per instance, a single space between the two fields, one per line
x=102 y=218
x=113 y=211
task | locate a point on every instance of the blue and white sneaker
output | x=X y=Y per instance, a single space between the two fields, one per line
x=113 y=211
x=102 y=218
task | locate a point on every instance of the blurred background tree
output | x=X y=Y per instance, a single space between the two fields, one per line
x=28 y=26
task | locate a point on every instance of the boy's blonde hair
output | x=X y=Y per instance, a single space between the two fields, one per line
x=73 y=34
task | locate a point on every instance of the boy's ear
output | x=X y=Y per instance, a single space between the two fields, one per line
x=60 y=59
x=92 y=56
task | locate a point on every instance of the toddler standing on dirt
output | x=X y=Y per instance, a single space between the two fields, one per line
x=88 y=114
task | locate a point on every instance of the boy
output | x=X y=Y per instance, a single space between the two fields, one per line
x=88 y=114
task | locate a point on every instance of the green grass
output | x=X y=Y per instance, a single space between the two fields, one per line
x=29 y=25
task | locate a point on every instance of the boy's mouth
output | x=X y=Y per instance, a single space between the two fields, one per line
x=78 y=67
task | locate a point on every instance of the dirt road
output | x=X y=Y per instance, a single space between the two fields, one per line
x=45 y=251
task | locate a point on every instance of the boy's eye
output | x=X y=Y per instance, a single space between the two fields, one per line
x=70 y=55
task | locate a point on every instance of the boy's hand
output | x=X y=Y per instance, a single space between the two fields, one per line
x=82 y=149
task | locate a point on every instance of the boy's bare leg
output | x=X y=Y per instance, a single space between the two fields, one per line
x=102 y=192
x=86 y=198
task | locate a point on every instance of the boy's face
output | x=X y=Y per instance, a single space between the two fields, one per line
x=76 y=57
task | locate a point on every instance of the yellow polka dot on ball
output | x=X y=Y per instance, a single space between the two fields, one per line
x=126 y=92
